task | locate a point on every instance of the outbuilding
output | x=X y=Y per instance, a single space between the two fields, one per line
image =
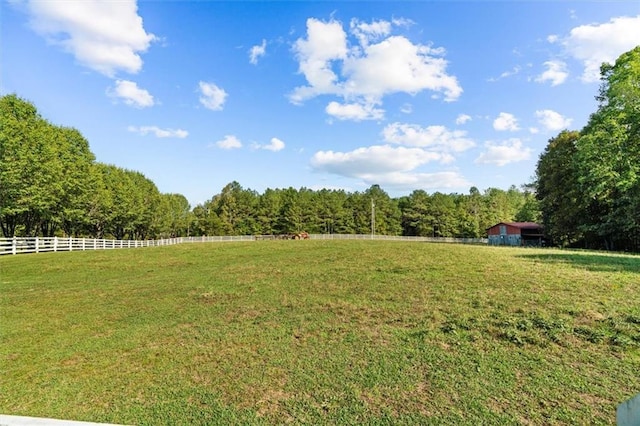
x=516 y=234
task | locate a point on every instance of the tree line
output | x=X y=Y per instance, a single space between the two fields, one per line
x=586 y=191
x=588 y=181
x=239 y=211
x=51 y=184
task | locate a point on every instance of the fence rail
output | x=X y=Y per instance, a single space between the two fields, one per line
x=19 y=245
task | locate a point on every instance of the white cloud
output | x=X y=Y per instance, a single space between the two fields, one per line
x=552 y=120
x=534 y=130
x=506 y=74
x=500 y=154
x=556 y=73
x=131 y=94
x=212 y=96
x=229 y=142
x=374 y=160
x=462 y=119
x=106 y=36
x=366 y=33
x=158 y=132
x=406 y=109
x=388 y=166
x=363 y=73
x=325 y=42
x=597 y=43
x=506 y=121
x=274 y=145
x=411 y=181
x=397 y=65
x=354 y=111
x=435 y=137
x=257 y=52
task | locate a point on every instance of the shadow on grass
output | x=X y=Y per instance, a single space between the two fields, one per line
x=601 y=262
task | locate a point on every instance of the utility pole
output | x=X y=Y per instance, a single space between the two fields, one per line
x=373 y=218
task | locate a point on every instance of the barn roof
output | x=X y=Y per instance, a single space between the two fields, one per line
x=520 y=225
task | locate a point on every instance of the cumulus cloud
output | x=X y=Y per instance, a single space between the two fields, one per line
x=373 y=159
x=158 y=132
x=105 y=36
x=426 y=181
x=397 y=65
x=131 y=94
x=435 y=137
x=354 y=111
x=368 y=32
x=506 y=121
x=257 y=52
x=325 y=42
x=556 y=73
x=501 y=154
x=229 y=142
x=389 y=166
x=552 y=120
x=597 y=43
x=462 y=119
x=365 y=71
x=274 y=145
x=212 y=96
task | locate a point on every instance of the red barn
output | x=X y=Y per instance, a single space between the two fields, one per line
x=516 y=234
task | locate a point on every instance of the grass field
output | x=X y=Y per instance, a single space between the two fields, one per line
x=320 y=332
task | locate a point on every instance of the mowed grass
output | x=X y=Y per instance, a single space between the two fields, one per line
x=320 y=332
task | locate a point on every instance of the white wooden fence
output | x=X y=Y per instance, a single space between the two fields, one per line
x=18 y=245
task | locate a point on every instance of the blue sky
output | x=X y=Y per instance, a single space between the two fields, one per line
x=439 y=96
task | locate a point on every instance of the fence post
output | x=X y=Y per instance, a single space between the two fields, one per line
x=55 y=244
x=37 y=245
x=84 y=241
x=14 y=245
x=70 y=244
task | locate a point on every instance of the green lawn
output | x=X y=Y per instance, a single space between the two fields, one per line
x=320 y=332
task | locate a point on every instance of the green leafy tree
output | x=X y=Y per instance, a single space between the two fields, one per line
x=100 y=208
x=236 y=208
x=268 y=212
x=607 y=157
x=174 y=215
x=417 y=217
x=557 y=189
x=30 y=170
x=292 y=215
x=77 y=182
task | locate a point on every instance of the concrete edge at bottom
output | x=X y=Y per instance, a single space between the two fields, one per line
x=628 y=413
x=6 y=420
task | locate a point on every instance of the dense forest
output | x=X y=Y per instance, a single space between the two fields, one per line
x=52 y=185
x=586 y=192
x=588 y=182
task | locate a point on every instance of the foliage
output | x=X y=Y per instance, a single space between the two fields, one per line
x=52 y=185
x=589 y=183
x=557 y=189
